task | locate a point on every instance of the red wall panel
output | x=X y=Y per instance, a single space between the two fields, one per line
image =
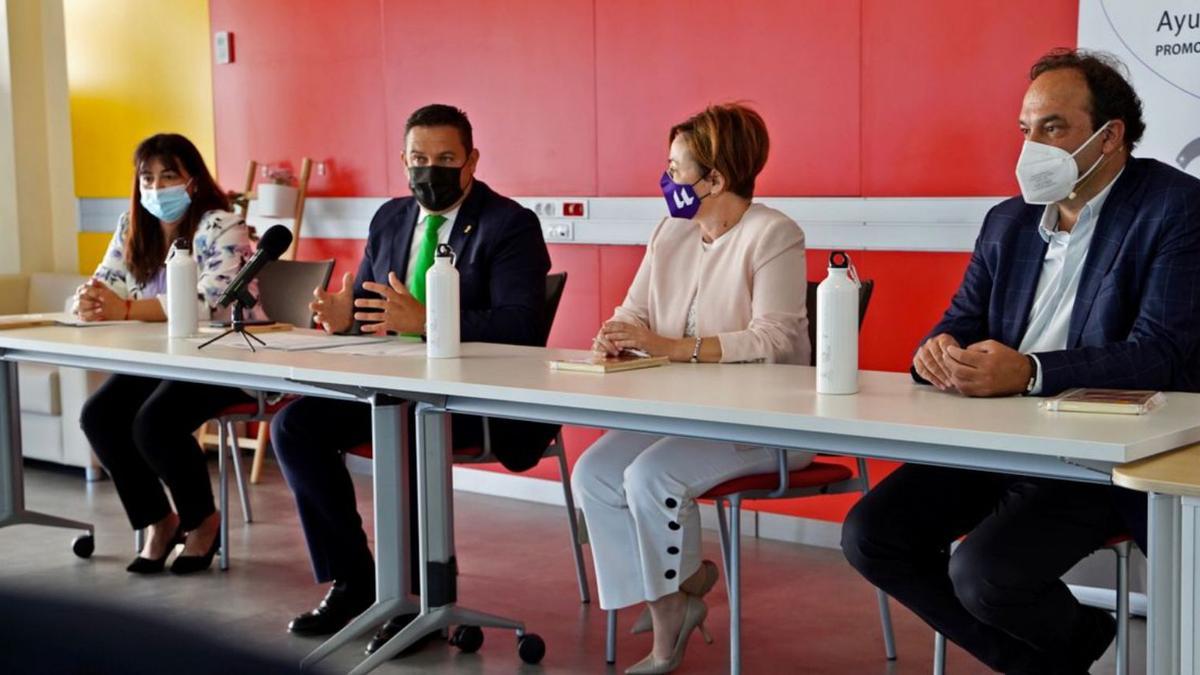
x=618 y=265
x=523 y=72
x=579 y=311
x=872 y=98
x=305 y=82
x=657 y=62
x=942 y=87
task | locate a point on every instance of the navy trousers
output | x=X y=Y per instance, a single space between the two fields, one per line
x=999 y=596
x=310 y=436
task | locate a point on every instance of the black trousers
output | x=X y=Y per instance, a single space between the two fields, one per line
x=141 y=430
x=999 y=596
x=310 y=437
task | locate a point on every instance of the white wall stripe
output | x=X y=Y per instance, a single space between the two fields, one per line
x=892 y=224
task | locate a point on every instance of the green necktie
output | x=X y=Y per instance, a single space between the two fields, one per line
x=424 y=261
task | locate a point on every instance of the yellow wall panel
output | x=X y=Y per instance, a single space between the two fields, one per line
x=92 y=246
x=135 y=68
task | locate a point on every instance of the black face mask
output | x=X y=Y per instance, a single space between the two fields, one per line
x=436 y=188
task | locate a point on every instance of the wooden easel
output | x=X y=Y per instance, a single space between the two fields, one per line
x=263 y=438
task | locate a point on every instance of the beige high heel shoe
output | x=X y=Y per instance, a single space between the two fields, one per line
x=698 y=585
x=694 y=614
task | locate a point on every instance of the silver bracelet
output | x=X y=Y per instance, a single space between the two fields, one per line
x=696 y=351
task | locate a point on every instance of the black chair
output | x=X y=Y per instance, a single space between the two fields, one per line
x=284 y=291
x=555 y=284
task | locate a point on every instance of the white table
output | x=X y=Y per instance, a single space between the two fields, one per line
x=1173 y=481
x=145 y=350
x=776 y=406
x=751 y=403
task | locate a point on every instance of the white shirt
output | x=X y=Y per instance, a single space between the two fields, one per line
x=1050 y=316
x=443 y=236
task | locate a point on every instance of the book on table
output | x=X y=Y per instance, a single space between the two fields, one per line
x=608 y=364
x=10 y=321
x=1115 y=401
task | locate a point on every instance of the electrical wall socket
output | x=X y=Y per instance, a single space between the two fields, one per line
x=560 y=208
x=223 y=47
x=560 y=231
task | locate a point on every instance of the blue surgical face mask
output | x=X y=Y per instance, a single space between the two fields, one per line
x=682 y=200
x=167 y=204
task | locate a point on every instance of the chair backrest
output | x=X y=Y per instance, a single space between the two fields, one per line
x=555 y=284
x=285 y=288
x=865 y=289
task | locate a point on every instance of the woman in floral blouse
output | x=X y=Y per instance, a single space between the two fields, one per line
x=141 y=428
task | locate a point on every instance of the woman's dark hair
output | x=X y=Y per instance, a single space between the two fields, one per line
x=145 y=245
x=1113 y=98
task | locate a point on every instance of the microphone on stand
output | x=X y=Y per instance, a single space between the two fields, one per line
x=274 y=242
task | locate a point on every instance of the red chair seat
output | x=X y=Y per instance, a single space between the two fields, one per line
x=1119 y=539
x=468 y=453
x=813 y=475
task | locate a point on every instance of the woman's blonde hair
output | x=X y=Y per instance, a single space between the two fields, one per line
x=731 y=138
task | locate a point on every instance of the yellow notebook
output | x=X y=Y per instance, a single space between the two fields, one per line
x=608 y=364
x=1115 y=401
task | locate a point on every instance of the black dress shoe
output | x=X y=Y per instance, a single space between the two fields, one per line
x=392 y=628
x=190 y=564
x=342 y=603
x=142 y=565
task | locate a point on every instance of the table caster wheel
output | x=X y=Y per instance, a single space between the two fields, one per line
x=531 y=648
x=84 y=545
x=468 y=639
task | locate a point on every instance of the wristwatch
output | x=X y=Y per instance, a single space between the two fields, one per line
x=1033 y=373
x=696 y=352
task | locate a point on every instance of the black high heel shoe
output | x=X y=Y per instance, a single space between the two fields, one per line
x=142 y=565
x=189 y=564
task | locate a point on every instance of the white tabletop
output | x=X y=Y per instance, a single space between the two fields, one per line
x=888 y=406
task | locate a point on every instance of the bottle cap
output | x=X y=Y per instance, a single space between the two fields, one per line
x=444 y=251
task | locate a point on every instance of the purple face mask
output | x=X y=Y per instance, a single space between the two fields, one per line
x=682 y=200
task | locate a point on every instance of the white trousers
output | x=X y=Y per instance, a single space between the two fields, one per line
x=638 y=493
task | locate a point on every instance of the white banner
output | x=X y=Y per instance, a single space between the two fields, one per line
x=1159 y=40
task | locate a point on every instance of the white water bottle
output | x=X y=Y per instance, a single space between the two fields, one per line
x=182 y=315
x=837 y=328
x=441 y=306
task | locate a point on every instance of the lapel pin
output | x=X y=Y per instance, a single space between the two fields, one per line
x=467 y=229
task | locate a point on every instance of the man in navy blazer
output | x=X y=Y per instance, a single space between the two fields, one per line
x=1090 y=279
x=502 y=262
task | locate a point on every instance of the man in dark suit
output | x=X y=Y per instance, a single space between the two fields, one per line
x=502 y=263
x=1081 y=282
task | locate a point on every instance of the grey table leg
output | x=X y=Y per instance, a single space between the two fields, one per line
x=389 y=431
x=436 y=538
x=1163 y=584
x=12 y=479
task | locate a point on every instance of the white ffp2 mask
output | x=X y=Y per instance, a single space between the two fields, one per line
x=1048 y=174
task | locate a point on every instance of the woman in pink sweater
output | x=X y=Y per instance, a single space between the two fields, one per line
x=723 y=281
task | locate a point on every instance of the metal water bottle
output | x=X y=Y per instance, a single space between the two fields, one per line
x=441 y=306
x=837 y=328
x=182 y=314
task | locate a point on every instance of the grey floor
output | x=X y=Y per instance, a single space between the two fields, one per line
x=805 y=610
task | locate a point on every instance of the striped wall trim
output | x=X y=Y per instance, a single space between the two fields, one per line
x=889 y=224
